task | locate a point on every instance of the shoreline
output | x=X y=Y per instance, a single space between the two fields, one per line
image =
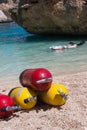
x=8 y=21
x=71 y=116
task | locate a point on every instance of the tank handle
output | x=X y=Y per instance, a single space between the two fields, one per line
x=30 y=99
x=65 y=96
x=10 y=108
x=45 y=80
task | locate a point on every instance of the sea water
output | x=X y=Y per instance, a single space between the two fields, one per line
x=20 y=50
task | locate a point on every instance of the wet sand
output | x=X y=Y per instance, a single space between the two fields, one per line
x=71 y=116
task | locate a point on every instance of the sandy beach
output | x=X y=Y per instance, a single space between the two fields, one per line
x=71 y=116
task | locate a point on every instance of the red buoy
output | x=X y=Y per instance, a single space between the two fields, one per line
x=5 y=103
x=38 y=79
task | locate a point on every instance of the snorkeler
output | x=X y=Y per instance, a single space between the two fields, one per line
x=68 y=46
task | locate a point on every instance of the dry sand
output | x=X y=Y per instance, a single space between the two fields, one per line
x=70 y=116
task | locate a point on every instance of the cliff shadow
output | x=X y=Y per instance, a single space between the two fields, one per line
x=52 y=38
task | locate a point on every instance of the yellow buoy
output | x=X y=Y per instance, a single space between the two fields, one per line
x=56 y=95
x=24 y=97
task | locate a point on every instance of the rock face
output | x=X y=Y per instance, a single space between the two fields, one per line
x=52 y=16
x=5 y=5
x=3 y=17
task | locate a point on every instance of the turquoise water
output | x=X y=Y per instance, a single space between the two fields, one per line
x=20 y=50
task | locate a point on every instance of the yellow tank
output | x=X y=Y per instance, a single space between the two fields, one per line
x=56 y=95
x=24 y=97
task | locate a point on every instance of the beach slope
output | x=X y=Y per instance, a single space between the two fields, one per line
x=71 y=116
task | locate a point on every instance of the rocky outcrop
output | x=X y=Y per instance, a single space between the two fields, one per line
x=52 y=16
x=3 y=17
x=5 y=5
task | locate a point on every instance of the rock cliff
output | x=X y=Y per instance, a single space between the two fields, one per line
x=5 y=5
x=52 y=16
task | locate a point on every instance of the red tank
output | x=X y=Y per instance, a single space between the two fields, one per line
x=5 y=102
x=39 y=79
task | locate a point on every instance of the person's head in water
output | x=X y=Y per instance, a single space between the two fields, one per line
x=71 y=43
